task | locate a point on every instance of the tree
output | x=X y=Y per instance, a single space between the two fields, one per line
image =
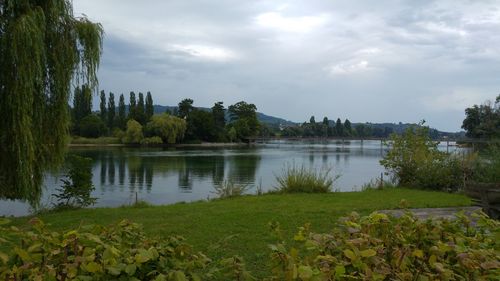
x=92 y=126
x=82 y=106
x=77 y=186
x=133 y=134
x=184 y=108
x=169 y=128
x=219 y=117
x=121 y=113
x=347 y=128
x=483 y=121
x=140 y=111
x=132 y=107
x=200 y=126
x=325 y=126
x=312 y=120
x=149 y=106
x=111 y=111
x=103 y=113
x=339 y=129
x=43 y=48
x=243 y=117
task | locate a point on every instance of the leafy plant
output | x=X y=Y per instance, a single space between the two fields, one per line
x=381 y=247
x=415 y=161
x=77 y=186
x=308 y=180
x=487 y=167
x=228 y=189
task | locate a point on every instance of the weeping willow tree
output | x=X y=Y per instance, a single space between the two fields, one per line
x=44 y=51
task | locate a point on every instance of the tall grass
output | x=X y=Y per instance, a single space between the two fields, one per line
x=228 y=189
x=305 y=180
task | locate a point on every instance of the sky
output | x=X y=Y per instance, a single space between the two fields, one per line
x=368 y=61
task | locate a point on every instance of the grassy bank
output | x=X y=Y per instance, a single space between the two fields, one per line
x=239 y=226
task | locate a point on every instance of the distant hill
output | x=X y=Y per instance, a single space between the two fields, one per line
x=267 y=119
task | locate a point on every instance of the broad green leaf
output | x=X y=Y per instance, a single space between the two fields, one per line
x=350 y=254
x=305 y=272
x=22 y=254
x=418 y=253
x=130 y=269
x=92 y=267
x=339 y=270
x=368 y=253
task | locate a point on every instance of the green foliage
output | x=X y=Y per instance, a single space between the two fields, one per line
x=219 y=117
x=228 y=189
x=200 y=126
x=149 y=107
x=132 y=109
x=122 y=117
x=185 y=107
x=140 y=110
x=82 y=106
x=301 y=179
x=43 y=49
x=116 y=139
x=111 y=120
x=232 y=134
x=486 y=168
x=103 y=113
x=169 y=128
x=92 y=126
x=119 y=252
x=152 y=141
x=381 y=247
x=133 y=135
x=77 y=186
x=415 y=161
x=483 y=121
x=243 y=118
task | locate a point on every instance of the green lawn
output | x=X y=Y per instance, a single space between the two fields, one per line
x=239 y=226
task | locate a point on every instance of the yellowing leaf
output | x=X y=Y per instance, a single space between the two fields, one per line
x=418 y=253
x=350 y=254
x=368 y=253
x=92 y=267
x=22 y=254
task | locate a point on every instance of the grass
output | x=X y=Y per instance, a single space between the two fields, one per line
x=302 y=180
x=239 y=226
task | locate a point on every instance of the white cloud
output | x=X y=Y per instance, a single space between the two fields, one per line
x=204 y=52
x=443 y=28
x=303 y=24
x=457 y=100
x=349 y=67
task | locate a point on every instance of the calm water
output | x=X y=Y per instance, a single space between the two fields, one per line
x=162 y=176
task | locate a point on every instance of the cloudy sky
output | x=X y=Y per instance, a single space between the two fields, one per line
x=378 y=61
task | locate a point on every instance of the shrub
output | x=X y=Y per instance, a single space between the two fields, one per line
x=381 y=247
x=169 y=128
x=92 y=126
x=415 y=161
x=120 y=252
x=300 y=179
x=133 y=135
x=77 y=186
x=152 y=141
x=487 y=167
x=228 y=189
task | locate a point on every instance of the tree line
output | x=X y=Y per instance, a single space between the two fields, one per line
x=330 y=128
x=483 y=121
x=137 y=123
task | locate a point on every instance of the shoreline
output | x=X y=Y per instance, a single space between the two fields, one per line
x=180 y=145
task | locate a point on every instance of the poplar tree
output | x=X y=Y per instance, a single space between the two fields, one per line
x=149 y=106
x=121 y=113
x=111 y=110
x=44 y=48
x=132 y=107
x=102 y=106
x=140 y=110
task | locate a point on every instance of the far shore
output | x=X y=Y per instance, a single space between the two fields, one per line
x=180 y=145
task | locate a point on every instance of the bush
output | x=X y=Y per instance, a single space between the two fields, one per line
x=120 y=252
x=294 y=179
x=415 y=161
x=487 y=167
x=133 y=135
x=169 y=128
x=380 y=247
x=92 y=126
x=77 y=186
x=228 y=189
x=152 y=141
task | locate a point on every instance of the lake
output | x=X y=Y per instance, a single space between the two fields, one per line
x=165 y=176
